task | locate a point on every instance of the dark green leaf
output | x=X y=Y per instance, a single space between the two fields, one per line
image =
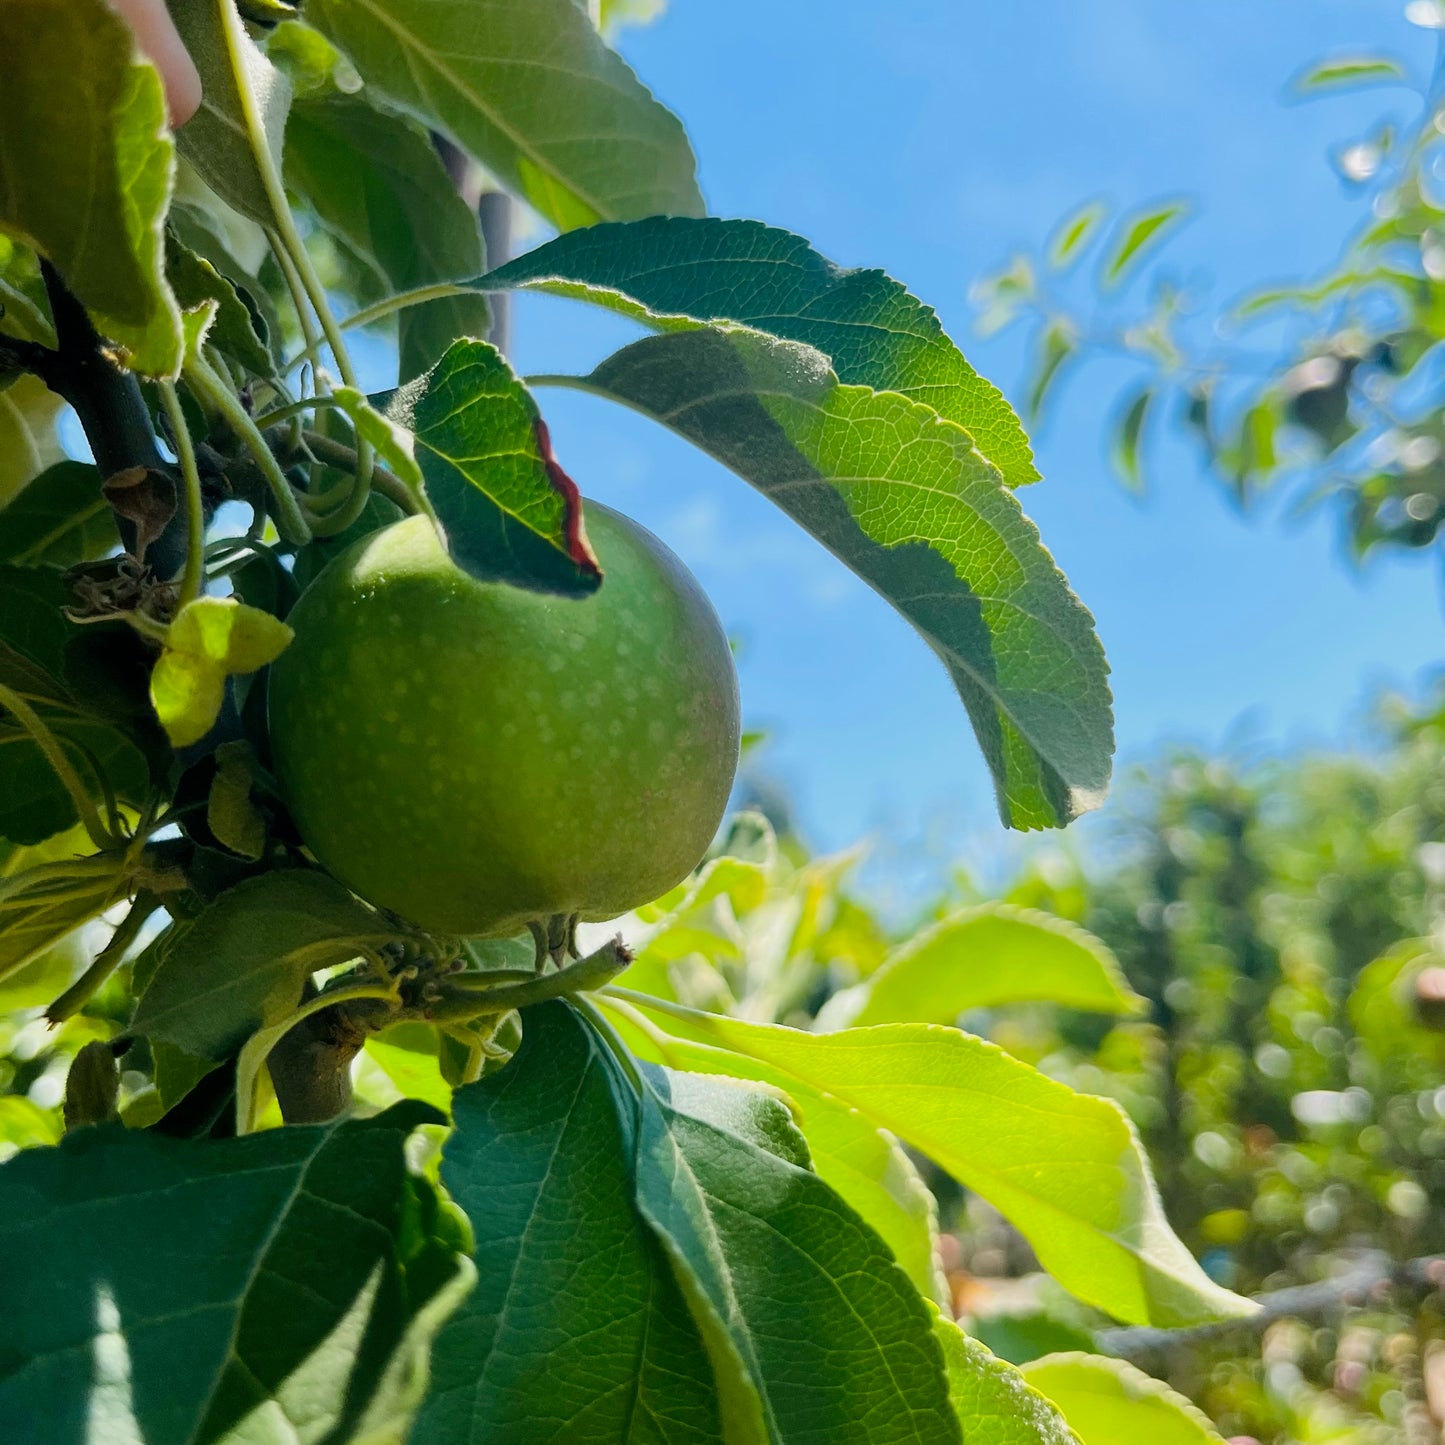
x=34 y=633
x=378 y=185
x=59 y=519
x=576 y=1330
x=233 y=332
x=284 y=1286
x=33 y=803
x=672 y=271
x=904 y=499
x=216 y=140
x=1136 y=233
x=1128 y=433
x=531 y=90
x=255 y=945
x=88 y=162
x=862 y=1164
x=794 y=1292
x=509 y=513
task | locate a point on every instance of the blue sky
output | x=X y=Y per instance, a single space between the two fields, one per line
x=932 y=140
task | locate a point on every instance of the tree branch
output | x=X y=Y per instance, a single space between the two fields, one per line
x=1352 y=1287
x=112 y=411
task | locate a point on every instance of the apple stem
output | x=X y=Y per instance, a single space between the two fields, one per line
x=461 y=999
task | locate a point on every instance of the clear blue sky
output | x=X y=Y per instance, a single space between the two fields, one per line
x=932 y=139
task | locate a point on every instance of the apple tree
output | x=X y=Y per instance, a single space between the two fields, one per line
x=369 y=1134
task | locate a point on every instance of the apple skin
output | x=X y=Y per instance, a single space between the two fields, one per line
x=477 y=757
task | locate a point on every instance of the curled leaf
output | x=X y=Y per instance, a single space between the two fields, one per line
x=211 y=639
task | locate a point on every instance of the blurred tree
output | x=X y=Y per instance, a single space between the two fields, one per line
x=1330 y=387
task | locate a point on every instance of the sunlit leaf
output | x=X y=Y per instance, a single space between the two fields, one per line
x=984 y=956
x=1106 y=1401
x=788 y=1285
x=1135 y=235
x=88 y=167
x=28 y=439
x=906 y=501
x=994 y=1403
x=211 y=639
x=1074 y=233
x=1066 y=1168
x=672 y=271
x=1348 y=71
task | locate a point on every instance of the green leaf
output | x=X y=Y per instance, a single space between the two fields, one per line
x=995 y=1404
x=196 y=281
x=903 y=499
x=672 y=272
x=211 y=639
x=508 y=512
x=34 y=633
x=254 y=946
x=861 y=1163
x=1128 y=434
x=231 y=812
x=1066 y=1168
x=1074 y=233
x=791 y=1288
x=24 y=306
x=302 y=1274
x=88 y=169
x=45 y=895
x=1024 y=1335
x=1341 y=71
x=1137 y=233
x=379 y=187
x=407 y=1055
x=393 y=443
x=982 y=957
x=576 y=1330
x=28 y=440
x=1056 y=347
x=1110 y=1402
x=235 y=75
x=34 y=805
x=59 y=519
x=531 y=90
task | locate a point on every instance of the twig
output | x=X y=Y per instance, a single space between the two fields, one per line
x=460 y=1000
x=339 y=455
x=1351 y=1288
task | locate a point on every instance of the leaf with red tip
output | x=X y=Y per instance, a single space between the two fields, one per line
x=507 y=509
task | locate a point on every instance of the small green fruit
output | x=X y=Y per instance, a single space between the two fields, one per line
x=476 y=757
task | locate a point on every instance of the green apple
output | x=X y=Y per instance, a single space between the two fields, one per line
x=477 y=757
